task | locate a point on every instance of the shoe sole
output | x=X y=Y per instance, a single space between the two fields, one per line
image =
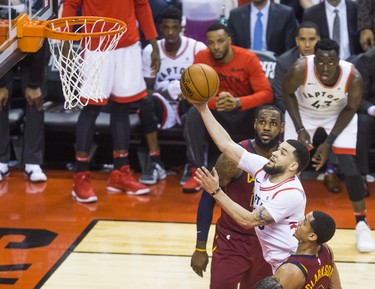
x=189 y=191
x=91 y=199
x=3 y=175
x=28 y=175
x=146 y=182
x=136 y=193
x=367 y=250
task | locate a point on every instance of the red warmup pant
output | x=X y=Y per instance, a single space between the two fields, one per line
x=237 y=259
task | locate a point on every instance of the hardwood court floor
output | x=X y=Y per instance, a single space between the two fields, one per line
x=47 y=240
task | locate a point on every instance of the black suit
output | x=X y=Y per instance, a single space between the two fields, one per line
x=283 y=63
x=281 y=27
x=366 y=123
x=317 y=14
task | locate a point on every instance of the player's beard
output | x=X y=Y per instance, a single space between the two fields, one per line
x=273 y=170
x=271 y=144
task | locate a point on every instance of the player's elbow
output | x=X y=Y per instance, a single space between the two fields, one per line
x=246 y=223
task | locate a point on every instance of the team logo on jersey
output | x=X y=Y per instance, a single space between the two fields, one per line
x=250 y=179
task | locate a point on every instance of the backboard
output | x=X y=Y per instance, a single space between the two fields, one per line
x=9 y=11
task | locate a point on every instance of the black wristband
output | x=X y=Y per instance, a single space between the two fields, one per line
x=331 y=138
x=216 y=191
x=301 y=129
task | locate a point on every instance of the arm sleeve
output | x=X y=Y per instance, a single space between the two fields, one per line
x=146 y=21
x=261 y=86
x=204 y=215
x=70 y=7
x=251 y=163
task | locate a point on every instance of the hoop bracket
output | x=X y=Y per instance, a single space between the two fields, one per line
x=30 y=34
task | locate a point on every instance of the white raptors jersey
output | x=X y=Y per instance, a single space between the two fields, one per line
x=316 y=99
x=171 y=67
x=285 y=201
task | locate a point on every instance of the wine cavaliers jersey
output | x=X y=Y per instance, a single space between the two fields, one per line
x=240 y=190
x=316 y=99
x=317 y=268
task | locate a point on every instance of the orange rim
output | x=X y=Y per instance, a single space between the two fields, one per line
x=51 y=25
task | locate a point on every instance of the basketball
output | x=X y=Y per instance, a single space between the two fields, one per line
x=199 y=83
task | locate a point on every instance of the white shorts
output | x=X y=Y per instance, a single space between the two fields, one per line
x=345 y=143
x=170 y=113
x=121 y=74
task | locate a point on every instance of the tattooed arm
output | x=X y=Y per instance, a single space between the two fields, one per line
x=246 y=219
x=227 y=170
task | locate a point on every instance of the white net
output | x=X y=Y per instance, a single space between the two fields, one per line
x=80 y=62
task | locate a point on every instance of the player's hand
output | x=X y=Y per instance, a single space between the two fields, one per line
x=3 y=97
x=208 y=180
x=34 y=97
x=226 y=102
x=199 y=262
x=366 y=39
x=321 y=155
x=304 y=138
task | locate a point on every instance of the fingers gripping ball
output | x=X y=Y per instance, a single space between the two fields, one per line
x=199 y=83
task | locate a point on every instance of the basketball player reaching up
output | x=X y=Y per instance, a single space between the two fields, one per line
x=236 y=259
x=279 y=199
x=313 y=257
x=122 y=84
x=323 y=91
x=176 y=53
x=243 y=87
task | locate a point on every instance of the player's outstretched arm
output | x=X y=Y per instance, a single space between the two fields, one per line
x=290 y=276
x=293 y=79
x=219 y=135
x=245 y=218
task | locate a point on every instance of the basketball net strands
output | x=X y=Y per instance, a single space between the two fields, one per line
x=96 y=36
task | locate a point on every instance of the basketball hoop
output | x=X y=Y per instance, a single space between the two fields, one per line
x=70 y=38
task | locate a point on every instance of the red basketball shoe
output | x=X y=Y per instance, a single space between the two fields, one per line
x=82 y=188
x=123 y=181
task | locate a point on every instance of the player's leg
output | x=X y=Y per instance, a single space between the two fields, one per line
x=345 y=148
x=197 y=145
x=182 y=109
x=85 y=127
x=128 y=85
x=366 y=129
x=258 y=267
x=7 y=80
x=227 y=265
x=34 y=124
x=153 y=111
x=4 y=140
x=85 y=130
